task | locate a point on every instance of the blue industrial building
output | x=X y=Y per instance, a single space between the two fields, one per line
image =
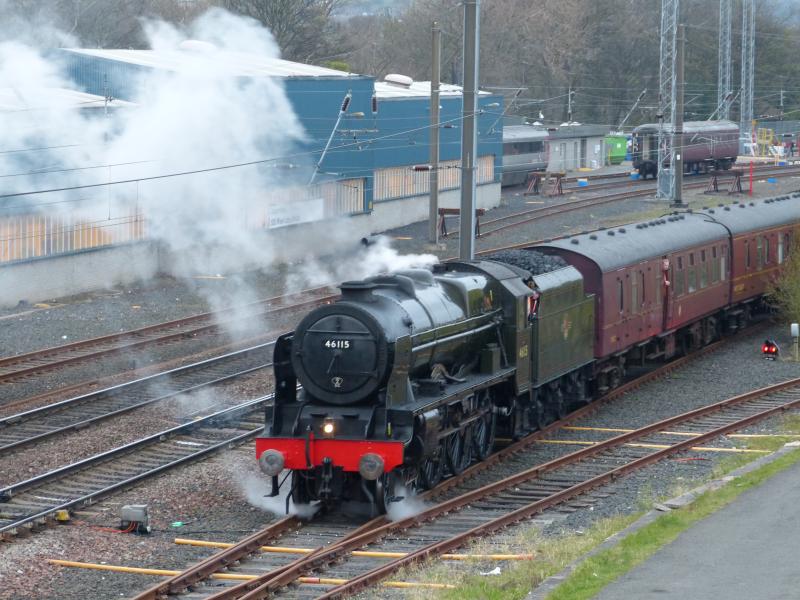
x=381 y=135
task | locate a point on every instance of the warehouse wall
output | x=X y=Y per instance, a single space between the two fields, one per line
x=43 y=279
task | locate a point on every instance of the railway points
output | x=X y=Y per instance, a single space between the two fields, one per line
x=36 y=502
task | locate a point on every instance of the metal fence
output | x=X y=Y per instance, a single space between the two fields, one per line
x=400 y=182
x=24 y=236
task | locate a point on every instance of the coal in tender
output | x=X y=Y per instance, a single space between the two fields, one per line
x=531 y=260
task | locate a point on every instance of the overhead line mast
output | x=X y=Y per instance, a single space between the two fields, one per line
x=748 y=74
x=667 y=94
x=724 y=59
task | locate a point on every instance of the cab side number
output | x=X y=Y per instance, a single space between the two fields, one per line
x=337 y=344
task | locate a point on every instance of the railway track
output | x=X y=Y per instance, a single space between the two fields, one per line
x=468 y=515
x=473 y=508
x=492 y=226
x=30 y=504
x=15 y=368
x=76 y=413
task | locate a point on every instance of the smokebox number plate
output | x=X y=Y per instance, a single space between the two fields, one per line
x=337 y=344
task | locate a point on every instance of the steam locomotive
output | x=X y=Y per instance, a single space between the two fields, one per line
x=411 y=375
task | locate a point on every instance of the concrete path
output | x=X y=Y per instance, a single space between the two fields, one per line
x=749 y=550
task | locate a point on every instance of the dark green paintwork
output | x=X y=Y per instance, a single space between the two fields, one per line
x=561 y=336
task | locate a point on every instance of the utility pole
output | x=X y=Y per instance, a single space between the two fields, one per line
x=670 y=10
x=469 y=138
x=748 y=72
x=724 y=59
x=433 y=230
x=677 y=135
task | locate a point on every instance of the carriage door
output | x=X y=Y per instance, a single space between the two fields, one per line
x=667 y=291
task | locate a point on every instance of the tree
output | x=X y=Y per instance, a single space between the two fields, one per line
x=784 y=294
x=304 y=29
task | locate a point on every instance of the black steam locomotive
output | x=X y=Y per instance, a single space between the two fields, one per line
x=410 y=375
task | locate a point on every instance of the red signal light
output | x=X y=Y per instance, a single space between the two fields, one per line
x=770 y=349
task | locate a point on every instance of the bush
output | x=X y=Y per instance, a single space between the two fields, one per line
x=784 y=293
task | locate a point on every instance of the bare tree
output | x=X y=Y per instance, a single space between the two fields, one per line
x=303 y=29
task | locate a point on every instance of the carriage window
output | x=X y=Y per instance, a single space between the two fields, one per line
x=691 y=259
x=746 y=255
x=679 y=278
x=634 y=294
x=787 y=244
x=703 y=270
x=641 y=282
x=723 y=272
x=714 y=265
x=766 y=250
x=621 y=295
x=780 y=249
x=759 y=254
x=660 y=275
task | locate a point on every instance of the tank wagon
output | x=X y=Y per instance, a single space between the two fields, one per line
x=409 y=376
x=706 y=145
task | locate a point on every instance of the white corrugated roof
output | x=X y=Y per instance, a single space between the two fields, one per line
x=418 y=89
x=17 y=99
x=239 y=64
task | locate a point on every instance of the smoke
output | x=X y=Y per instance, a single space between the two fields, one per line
x=256 y=490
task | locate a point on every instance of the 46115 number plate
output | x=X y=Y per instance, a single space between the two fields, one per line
x=337 y=344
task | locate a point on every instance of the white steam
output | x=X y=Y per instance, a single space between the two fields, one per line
x=410 y=505
x=202 y=115
x=256 y=490
x=379 y=257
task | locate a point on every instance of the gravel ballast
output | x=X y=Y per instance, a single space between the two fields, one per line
x=211 y=498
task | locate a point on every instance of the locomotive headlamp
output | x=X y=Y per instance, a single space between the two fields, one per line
x=327 y=428
x=370 y=466
x=271 y=462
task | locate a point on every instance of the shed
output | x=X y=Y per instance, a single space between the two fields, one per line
x=575 y=146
